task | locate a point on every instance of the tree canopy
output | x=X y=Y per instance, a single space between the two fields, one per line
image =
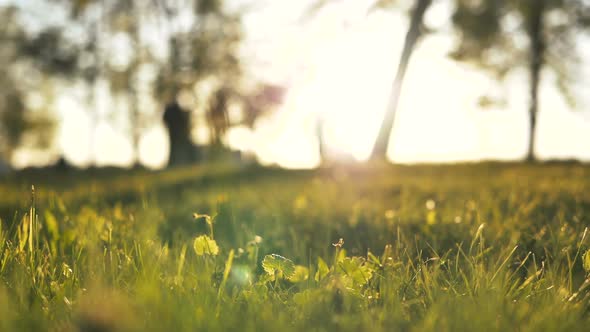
x=148 y=54
x=500 y=36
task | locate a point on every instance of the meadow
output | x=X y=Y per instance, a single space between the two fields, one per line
x=474 y=247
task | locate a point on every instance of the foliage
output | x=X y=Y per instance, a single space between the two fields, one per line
x=145 y=54
x=491 y=35
x=508 y=247
x=278 y=265
x=536 y=34
x=204 y=245
x=19 y=125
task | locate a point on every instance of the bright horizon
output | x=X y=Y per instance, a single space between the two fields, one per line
x=339 y=67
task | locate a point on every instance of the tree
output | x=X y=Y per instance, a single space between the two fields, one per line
x=204 y=54
x=260 y=101
x=177 y=121
x=413 y=35
x=204 y=46
x=197 y=43
x=416 y=30
x=489 y=30
x=19 y=125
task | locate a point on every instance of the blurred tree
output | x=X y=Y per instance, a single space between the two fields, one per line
x=204 y=52
x=102 y=60
x=149 y=54
x=19 y=125
x=416 y=30
x=500 y=35
x=319 y=133
x=489 y=33
x=177 y=120
x=196 y=40
x=260 y=101
x=217 y=116
x=414 y=33
x=253 y=102
x=13 y=123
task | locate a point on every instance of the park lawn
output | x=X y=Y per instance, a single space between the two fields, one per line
x=481 y=247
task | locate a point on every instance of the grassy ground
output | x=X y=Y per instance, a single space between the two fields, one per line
x=425 y=248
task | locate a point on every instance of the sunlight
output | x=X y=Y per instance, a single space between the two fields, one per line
x=308 y=165
x=112 y=147
x=73 y=137
x=348 y=88
x=338 y=67
x=293 y=144
x=435 y=115
x=153 y=147
x=347 y=85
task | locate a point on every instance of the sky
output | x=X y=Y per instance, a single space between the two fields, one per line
x=339 y=65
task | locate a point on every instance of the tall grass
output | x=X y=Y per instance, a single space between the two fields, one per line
x=480 y=247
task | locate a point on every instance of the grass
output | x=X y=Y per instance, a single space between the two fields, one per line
x=424 y=248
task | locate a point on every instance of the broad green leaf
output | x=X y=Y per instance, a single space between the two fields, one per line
x=356 y=270
x=301 y=274
x=275 y=264
x=204 y=245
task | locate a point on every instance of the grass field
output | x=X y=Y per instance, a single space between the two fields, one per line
x=489 y=247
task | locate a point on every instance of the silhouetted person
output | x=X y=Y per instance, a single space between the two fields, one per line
x=177 y=120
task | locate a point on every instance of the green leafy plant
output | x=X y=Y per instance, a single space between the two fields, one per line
x=356 y=271
x=204 y=245
x=278 y=266
x=208 y=220
x=128 y=264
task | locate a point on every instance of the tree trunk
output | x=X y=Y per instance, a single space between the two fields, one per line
x=320 y=136
x=177 y=121
x=412 y=36
x=535 y=32
x=136 y=124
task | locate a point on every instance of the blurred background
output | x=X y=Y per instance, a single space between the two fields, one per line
x=156 y=83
